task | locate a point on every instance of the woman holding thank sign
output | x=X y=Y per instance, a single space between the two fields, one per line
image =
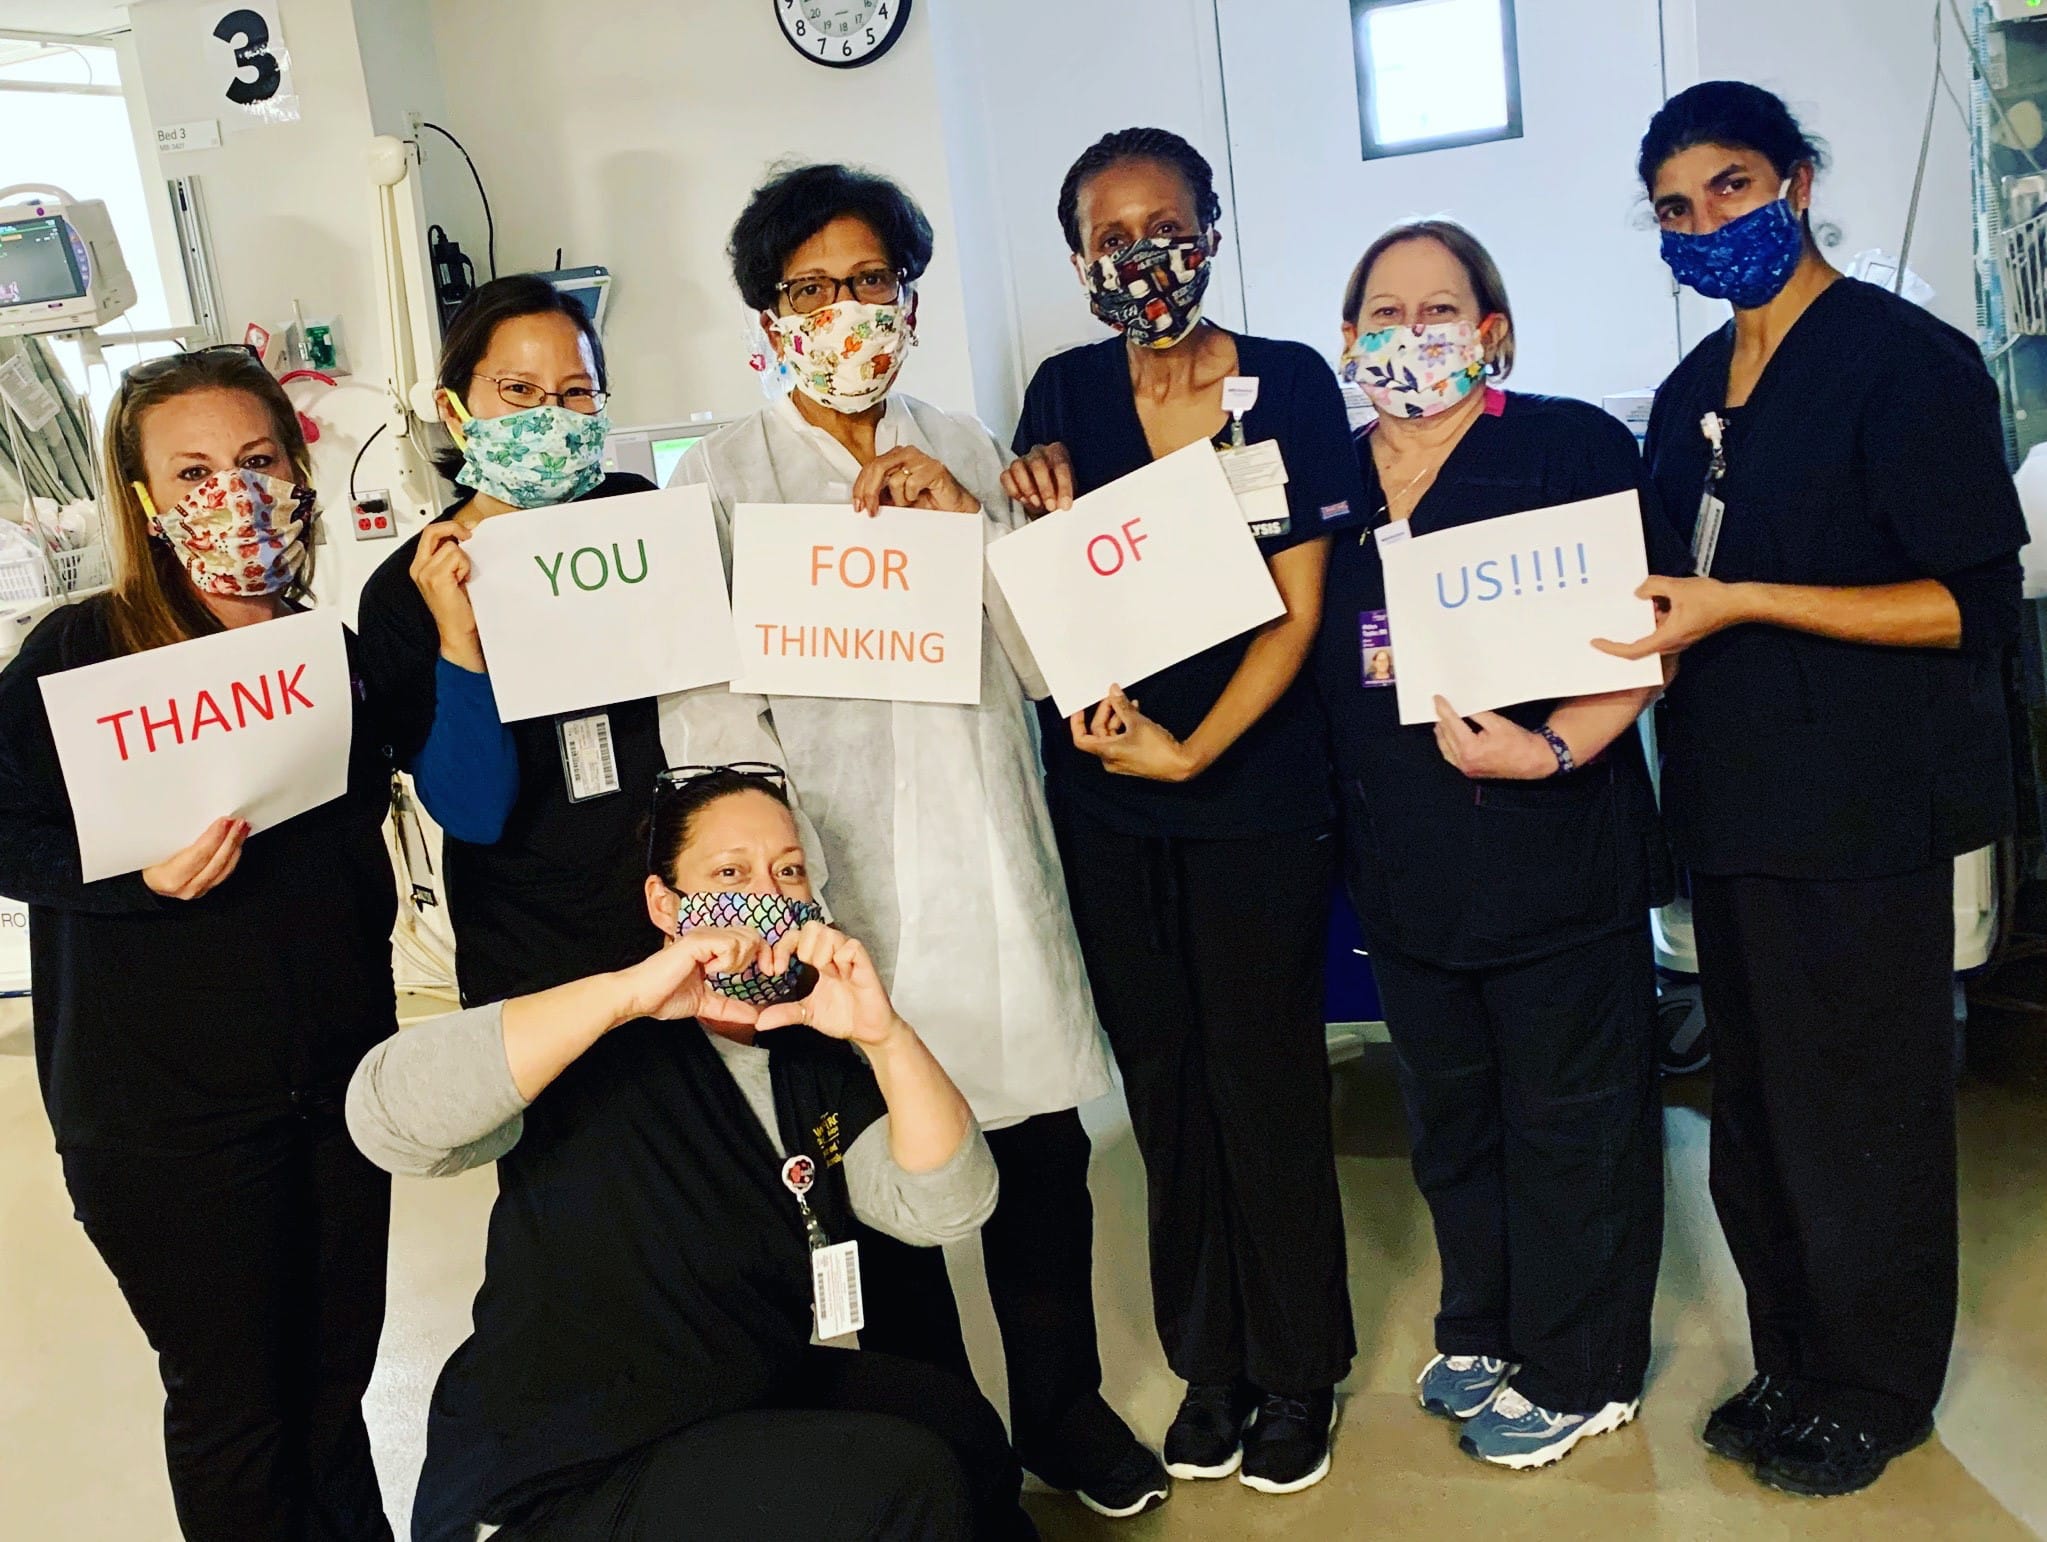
x=541 y=824
x=1503 y=868
x=931 y=815
x=196 y=1022
x=1196 y=829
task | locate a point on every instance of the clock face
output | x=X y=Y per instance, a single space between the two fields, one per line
x=842 y=33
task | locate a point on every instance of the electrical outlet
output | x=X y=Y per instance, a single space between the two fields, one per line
x=374 y=518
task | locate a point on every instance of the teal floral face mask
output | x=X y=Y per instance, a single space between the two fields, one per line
x=535 y=458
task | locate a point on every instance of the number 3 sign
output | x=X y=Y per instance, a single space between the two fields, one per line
x=250 y=67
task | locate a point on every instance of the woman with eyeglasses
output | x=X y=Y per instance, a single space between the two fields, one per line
x=541 y=843
x=678 y=1144
x=196 y=1022
x=931 y=817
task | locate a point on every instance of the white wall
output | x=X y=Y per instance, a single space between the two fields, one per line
x=630 y=132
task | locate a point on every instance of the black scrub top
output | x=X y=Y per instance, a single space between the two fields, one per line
x=557 y=896
x=1474 y=874
x=646 y=1268
x=1870 y=452
x=1275 y=778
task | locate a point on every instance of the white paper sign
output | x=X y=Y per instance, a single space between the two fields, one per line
x=201 y=135
x=591 y=603
x=252 y=723
x=829 y=602
x=1136 y=576
x=214 y=64
x=1502 y=611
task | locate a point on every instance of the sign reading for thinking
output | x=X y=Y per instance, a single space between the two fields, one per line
x=1503 y=611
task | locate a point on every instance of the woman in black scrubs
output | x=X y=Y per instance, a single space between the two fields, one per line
x=1837 y=736
x=1503 y=869
x=197 y=1021
x=540 y=869
x=641 y=1368
x=1196 y=834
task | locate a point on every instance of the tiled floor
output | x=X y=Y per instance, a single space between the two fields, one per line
x=79 y=1404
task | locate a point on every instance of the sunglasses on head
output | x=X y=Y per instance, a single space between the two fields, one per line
x=675 y=778
x=151 y=369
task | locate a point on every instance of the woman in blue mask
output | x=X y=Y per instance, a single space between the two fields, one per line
x=1517 y=981
x=541 y=845
x=1838 y=735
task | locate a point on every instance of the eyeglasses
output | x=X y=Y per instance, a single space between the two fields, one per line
x=675 y=778
x=152 y=369
x=524 y=393
x=813 y=292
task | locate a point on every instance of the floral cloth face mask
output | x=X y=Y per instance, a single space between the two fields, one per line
x=1747 y=261
x=534 y=458
x=1151 y=291
x=773 y=916
x=239 y=532
x=1417 y=372
x=846 y=355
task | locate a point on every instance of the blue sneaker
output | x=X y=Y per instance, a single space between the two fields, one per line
x=1461 y=1386
x=1513 y=1432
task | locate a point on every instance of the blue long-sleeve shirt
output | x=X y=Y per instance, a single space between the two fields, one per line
x=467 y=772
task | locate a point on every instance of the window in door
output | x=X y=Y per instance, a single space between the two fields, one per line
x=1435 y=74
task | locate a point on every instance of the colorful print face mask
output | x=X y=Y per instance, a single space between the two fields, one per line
x=535 y=458
x=773 y=916
x=845 y=356
x=238 y=532
x=1747 y=261
x=1417 y=372
x=1150 y=291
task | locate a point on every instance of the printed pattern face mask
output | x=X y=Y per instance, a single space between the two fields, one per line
x=535 y=458
x=1151 y=291
x=1747 y=261
x=846 y=355
x=1417 y=372
x=238 y=532
x=773 y=916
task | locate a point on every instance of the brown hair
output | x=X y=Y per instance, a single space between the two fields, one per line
x=153 y=603
x=1479 y=268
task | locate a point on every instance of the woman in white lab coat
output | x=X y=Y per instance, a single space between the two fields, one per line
x=931 y=818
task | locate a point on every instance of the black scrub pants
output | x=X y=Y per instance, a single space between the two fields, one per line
x=862 y=1446
x=256 y=1270
x=1833 y=1152
x=1206 y=958
x=1537 y=1133
x=1038 y=1247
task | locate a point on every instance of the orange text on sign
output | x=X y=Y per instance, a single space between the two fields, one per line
x=857 y=566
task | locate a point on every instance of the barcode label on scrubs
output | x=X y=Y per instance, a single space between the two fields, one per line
x=1706 y=534
x=835 y=1290
x=589 y=764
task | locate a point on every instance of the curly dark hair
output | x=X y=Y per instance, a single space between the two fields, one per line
x=1731 y=113
x=797 y=202
x=1138 y=144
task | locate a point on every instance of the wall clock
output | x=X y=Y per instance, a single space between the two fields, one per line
x=843 y=34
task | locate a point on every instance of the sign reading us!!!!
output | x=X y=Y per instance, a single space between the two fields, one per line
x=1518 y=574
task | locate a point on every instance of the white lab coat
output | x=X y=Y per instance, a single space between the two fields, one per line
x=938 y=848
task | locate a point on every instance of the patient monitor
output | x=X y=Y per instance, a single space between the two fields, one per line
x=60 y=266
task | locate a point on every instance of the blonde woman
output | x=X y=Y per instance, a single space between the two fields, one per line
x=196 y=1022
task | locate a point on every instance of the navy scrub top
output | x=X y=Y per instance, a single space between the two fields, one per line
x=1275 y=778
x=1475 y=874
x=1870 y=452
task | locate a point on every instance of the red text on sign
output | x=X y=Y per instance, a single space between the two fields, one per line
x=180 y=722
x=1106 y=554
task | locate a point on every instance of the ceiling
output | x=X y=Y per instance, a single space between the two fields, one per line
x=64 y=16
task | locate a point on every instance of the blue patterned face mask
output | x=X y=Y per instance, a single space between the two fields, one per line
x=535 y=458
x=1747 y=261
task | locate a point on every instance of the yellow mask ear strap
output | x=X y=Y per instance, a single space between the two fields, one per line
x=142 y=496
x=462 y=415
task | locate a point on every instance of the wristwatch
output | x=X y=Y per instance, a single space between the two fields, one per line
x=1562 y=751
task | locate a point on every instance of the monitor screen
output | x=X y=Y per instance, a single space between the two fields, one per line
x=37 y=264
x=669 y=451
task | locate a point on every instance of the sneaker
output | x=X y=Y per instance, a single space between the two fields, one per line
x=1822 y=1457
x=1460 y=1386
x=1287 y=1446
x=1513 y=1432
x=1136 y=1483
x=1206 y=1439
x=1756 y=1415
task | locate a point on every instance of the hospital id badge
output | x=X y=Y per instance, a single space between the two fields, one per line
x=835 y=1290
x=1258 y=477
x=1706 y=533
x=589 y=764
x=1375 y=649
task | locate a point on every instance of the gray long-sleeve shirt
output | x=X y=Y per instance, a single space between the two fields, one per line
x=439 y=1099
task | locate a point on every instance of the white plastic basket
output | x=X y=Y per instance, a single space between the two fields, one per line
x=82 y=571
x=2022 y=265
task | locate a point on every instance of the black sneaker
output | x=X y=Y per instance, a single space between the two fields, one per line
x=1823 y=1457
x=1752 y=1418
x=1287 y=1446
x=1206 y=1439
x=1133 y=1485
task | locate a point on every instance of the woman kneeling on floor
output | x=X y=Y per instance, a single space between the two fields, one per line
x=670 y=1171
